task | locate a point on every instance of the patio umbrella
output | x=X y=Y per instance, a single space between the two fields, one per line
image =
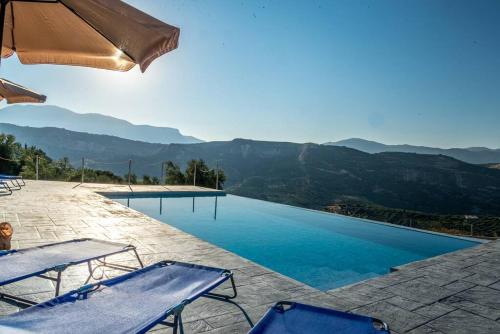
x=15 y=93
x=107 y=34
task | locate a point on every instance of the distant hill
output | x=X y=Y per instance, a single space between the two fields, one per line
x=53 y=116
x=307 y=175
x=473 y=155
x=58 y=143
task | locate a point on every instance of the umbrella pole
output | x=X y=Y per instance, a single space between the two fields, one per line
x=2 y=23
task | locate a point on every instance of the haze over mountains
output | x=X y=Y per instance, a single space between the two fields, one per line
x=308 y=175
x=57 y=117
x=474 y=155
x=53 y=116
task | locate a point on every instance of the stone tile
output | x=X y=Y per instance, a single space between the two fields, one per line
x=495 y=285
x=231 y=329
x=484 y=311
x=404 y=303
x=434 y=310
x=328 y=301
x=462 y=322
x=7 y=308
x=482 y=296
x=28 y=286
x=394 y=278
x=459 y=286
x=484 y=279
x=259 y=294
x=420 y=290
x=397 y=318
x=425 y=330
x=254 y=314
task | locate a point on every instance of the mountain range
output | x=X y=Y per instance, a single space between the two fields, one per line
x=308 y=175
x=53 y=116
x=474 y=155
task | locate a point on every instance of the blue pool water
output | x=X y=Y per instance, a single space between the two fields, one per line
x=320 y=249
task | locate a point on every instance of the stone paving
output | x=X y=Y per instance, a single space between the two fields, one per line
x=453 y=293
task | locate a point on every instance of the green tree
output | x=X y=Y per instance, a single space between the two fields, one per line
x=146 y=179
x=205 y=177
x=133 y=178
x=9 y=153
x=173 y=174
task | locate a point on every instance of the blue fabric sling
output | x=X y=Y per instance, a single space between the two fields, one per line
x=296 y=318
x=131 y=303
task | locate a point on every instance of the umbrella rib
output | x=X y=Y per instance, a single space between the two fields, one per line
x=12 y=30
x=97 y=30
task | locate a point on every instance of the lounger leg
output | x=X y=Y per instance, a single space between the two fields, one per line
x=178 y=324
x=89 y=265
x=220 y=296
x=181 y=326
x=6 y=186
x=14 y=186
x=228 y=299
x=138 y=258
x=58 y=282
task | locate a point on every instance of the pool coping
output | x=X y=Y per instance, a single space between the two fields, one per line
x=164 y=194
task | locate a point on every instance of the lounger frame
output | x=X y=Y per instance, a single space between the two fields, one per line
x=14 y=180
x=59 y=269
x=5 y=186
x=170 y=311
x=177 y=324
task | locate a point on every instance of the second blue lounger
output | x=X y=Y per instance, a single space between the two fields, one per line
x=17 y=265
x=131 y=303
x=14 y=178
x=296 y=318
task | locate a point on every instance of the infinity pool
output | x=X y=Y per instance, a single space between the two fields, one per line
x=320 y=249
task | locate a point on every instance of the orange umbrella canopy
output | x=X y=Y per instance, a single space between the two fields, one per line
x=15 y=93
x=107 y=34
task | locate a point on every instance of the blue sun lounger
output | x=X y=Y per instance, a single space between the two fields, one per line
x=14 y=181
x=17 y=265
x=15 y=178
x=295 y=318
x=131 y=303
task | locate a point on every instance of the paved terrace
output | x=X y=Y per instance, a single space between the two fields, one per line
x=454 y=293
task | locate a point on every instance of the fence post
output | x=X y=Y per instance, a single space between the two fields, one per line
x=129 y=170
x=194 y=175
x=36 y=167
x=162 y=180
x=83 y=168
x=217 y=176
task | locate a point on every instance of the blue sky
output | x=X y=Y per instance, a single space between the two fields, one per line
x=398 y=71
